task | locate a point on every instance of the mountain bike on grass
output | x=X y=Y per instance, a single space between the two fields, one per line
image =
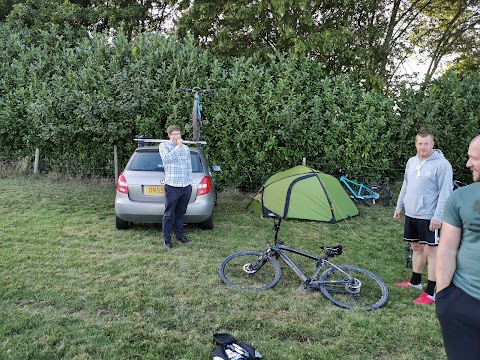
x=371 y=195
x=346 y=286
x=197 y=119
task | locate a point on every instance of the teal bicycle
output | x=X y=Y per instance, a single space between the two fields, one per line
x=371 y=195
x=197 y=118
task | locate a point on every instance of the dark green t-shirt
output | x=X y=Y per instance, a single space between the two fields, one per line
x=462 y=210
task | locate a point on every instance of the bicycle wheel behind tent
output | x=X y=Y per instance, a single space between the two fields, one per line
x=383 y=199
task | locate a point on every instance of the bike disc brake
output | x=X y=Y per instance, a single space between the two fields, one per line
x=353 y=286
x=248 y=269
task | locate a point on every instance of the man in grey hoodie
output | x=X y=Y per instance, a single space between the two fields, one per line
x=426 y=186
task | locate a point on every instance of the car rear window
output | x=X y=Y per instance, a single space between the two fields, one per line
x=151 y=161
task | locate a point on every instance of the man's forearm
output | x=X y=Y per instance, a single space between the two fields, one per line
x=445 y=267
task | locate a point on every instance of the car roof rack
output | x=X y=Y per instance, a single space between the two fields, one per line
x=143 y=140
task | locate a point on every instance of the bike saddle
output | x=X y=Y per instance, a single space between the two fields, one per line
x=332 y=250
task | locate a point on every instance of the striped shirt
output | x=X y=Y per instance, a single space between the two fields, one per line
x=177 y=164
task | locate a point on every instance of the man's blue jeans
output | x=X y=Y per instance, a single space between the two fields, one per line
x=176 y=202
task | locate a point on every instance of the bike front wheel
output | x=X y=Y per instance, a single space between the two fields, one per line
x=383 y=196
x=352 y=287
x=250 y=271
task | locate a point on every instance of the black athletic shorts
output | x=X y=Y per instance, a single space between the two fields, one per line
x=416 y=230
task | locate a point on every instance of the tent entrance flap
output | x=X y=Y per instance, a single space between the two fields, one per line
x=304 y=193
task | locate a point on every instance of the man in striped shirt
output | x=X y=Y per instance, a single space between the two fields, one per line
x=178 y=184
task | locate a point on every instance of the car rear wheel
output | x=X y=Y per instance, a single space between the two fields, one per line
x=207 y=224
x=121 y=224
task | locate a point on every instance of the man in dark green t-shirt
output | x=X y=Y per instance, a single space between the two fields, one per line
x=458 y=267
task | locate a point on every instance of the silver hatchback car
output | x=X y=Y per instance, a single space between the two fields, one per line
x=140 y=190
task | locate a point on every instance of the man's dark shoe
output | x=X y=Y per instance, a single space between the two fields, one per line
x=168 y=244
x=183 y=240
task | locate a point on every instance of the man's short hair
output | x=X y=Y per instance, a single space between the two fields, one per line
x=424 y=133
x=173 y=128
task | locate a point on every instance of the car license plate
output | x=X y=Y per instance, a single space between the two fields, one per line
x=154 y=190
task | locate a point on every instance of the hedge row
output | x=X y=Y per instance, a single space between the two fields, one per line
x=75 y=99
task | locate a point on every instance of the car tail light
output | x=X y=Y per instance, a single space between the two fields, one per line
x=205 y=186
x=122 y=185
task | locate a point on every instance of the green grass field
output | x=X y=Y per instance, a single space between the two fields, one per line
x=74 y=287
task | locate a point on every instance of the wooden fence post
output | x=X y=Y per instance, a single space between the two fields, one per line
x=37 y=159
x=115 y=161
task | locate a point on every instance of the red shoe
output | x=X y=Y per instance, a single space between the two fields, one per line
x=425 y=299
x=407 y=283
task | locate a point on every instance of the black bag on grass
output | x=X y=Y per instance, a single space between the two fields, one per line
x=228 y=348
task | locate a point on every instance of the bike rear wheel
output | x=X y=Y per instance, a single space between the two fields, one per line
x=363 y=291
x=383 y=198
x=195 y=122
x=250 y=271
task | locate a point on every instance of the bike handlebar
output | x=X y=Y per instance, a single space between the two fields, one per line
x=197 y=90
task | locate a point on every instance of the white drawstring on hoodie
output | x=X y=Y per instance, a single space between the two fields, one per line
x=419 y=166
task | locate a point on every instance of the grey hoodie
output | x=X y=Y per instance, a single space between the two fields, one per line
x=426 y=187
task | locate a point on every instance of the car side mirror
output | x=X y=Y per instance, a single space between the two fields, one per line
x=216 y=168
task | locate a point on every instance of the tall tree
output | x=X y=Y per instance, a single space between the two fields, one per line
x=368 y=38
x=448 y=28
x=339 y=33
x=92 y=15
x=431 y=29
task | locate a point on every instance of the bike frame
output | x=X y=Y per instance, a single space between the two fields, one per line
x=278 y=250
x=370 y=194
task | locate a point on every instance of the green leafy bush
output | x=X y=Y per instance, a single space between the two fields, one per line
x=75 y=99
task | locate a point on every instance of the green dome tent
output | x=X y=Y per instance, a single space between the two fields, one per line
x=303 y=193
